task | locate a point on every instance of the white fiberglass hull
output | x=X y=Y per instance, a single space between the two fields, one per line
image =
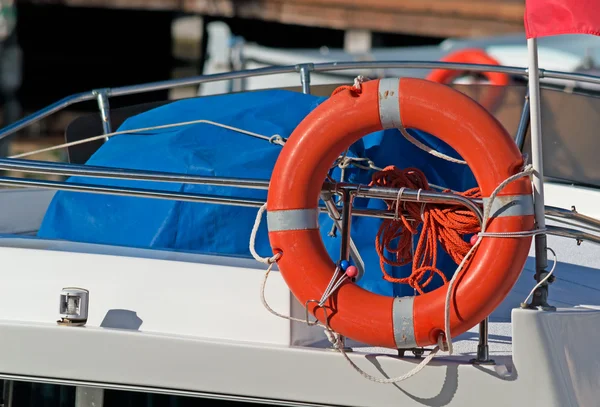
x=183 y=323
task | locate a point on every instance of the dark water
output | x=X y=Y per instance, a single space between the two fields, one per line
x=43 y=395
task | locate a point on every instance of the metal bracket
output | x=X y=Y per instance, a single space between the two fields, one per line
x=347 y=199
x=335 y=215
x=523 y=123
x=305 y=70
x=483 y=350
x=539 y=300
x=307 y=316
x=104 y=107
x=417 y=352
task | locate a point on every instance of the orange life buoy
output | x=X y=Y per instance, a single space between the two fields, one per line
x=488 y=96
x=292 y=210
x=468 y=56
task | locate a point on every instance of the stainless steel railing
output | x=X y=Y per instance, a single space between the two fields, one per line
x=102 y=95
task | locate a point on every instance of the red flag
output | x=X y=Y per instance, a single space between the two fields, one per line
x=557 y=17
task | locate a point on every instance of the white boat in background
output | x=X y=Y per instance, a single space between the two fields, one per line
x=137 y=275
x=570 y=53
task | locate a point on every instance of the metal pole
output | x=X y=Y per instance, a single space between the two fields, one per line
x=523 y=123
x=541 y=256
x=103 y=105
x=411 y=195
x=274 y=70
x=45 y=112
x=578 y=235
x=78 y=170
x=143 y=175
x=89 y=397
x=335 y=215
x=483 y=349
x=590 y=223
x=7 y=393
x=305 y=77
x=159 y=194
x=347 y=198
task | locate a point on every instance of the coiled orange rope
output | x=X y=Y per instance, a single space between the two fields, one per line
x=440 y=223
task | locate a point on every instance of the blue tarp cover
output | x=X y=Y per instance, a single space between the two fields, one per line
x=204 y=149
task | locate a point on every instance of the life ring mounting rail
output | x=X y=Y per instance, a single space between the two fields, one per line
x=349 y=191
x=407 y=194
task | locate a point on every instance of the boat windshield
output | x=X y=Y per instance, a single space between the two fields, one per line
x=570 y=122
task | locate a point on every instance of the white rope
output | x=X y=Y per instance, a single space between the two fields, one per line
x=333 y=285
x=398 y=200
x=332 y=336
x=358 y=81
x=337 y=344
x=334 y=339
x=268 y=307
x=344 y=162
x=523 y=233
x=252 y=243
x=429 y=150
x=275 y=139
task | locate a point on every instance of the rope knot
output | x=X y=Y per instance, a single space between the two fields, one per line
x=266 y=260
x=345 y=162
x=277 y=139
x=358 y=81
x=275 y=258
x=333 y=338
x=355 y=89
x=442 y=343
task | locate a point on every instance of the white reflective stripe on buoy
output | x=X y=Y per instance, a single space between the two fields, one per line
x=403 y=322
x=510 y=205
x=293 y=219
x=389 y=103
